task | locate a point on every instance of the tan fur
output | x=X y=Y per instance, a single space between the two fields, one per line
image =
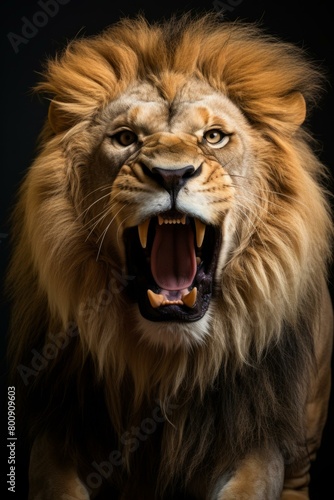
x=264 y=190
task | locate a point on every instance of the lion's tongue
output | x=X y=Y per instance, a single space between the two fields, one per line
x=173 y=257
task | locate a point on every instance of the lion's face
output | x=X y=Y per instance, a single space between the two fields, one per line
x=162 y=187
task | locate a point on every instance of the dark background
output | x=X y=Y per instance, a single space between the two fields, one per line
x=310 y=27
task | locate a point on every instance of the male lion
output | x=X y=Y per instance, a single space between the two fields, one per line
x=172 y=327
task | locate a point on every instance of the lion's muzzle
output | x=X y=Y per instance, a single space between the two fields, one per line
x=173 y=257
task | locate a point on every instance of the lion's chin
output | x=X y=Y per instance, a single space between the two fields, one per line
x=173 y=258
x=173 y=336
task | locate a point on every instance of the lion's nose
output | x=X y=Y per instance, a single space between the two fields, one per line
x=172 y=180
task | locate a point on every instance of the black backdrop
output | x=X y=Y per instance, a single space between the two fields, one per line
x=28 y=37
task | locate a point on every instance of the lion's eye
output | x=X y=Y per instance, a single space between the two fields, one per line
x=216 y=138
x=125 y=137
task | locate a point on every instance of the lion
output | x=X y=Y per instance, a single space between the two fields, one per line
x=171 y=327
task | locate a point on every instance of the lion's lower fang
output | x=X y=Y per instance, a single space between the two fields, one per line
x=158 y=299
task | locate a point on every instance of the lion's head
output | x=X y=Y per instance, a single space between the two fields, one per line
x=175 y=211
x=183 y=168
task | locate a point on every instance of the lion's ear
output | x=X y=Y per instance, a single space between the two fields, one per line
x=283 y=114
x=295 y=109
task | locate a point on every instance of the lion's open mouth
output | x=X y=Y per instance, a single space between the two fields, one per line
x=173 y=257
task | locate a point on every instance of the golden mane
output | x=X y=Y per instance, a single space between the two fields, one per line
x=92 y=72
x=270 y=292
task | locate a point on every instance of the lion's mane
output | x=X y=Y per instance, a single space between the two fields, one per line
x=268 y=298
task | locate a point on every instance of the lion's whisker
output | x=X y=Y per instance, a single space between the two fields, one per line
x=112 y=196
x=266 y=200
x=101 y=188
x=119 y=227
x=100 y=216
x=100 y=219
x=267 y=191
x=105 y=210
x=92 y=204
x=103 y=234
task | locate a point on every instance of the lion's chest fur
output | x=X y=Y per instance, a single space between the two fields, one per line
x=173 y=439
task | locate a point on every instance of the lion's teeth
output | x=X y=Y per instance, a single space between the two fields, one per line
x=161 y=220
x=155 y=299
x=200 y=232
x=190 y=299
x=142 y=232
